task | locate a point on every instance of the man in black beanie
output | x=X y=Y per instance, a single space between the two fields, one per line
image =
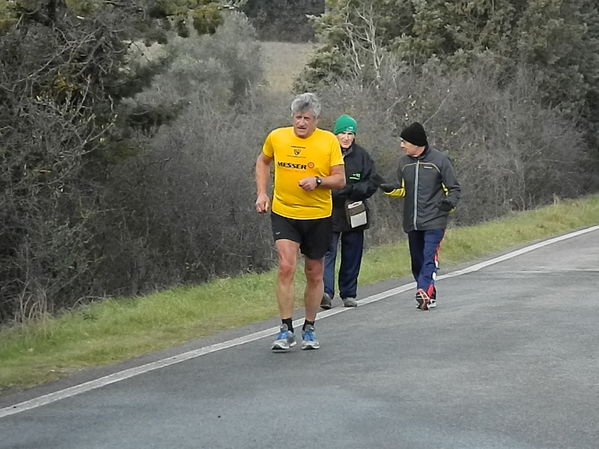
x=415 y=135
x=428 y=184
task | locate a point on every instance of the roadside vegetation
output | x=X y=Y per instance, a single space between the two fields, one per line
x=129 y=133
x=130 y=167
x=117 y=329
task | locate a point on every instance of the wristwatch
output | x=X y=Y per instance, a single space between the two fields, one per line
x=318 y=180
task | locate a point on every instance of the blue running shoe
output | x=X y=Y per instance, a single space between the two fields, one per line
x=285 y=340
x=309 y=339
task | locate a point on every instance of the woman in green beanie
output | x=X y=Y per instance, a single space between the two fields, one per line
x=360 y=185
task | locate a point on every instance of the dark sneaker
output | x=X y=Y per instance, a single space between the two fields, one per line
x=309 y=339
x=285 y=340
x=432 y=304
x=423 y=299
x=349 y=302
x=326 y=302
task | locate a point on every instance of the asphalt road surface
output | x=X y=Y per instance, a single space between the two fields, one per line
x=508 y=360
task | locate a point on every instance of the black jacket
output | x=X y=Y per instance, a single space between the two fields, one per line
x=431 y=190
x=359 y=174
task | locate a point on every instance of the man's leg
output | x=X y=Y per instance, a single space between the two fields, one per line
x=329 y=265
x=426 y=279
x=312 y=295
x=287 y=253
x=314 y=286
x=352 y=244
x=316 y=239
x=416 y=244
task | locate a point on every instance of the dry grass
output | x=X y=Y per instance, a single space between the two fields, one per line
x=284 y=62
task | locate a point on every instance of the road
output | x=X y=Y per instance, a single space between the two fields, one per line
x=509 y=360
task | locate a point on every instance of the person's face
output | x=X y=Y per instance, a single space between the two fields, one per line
x=411 y=149
x=304 y=124
x=346 y=139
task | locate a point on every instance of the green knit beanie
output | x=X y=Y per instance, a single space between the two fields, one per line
x=345 y=124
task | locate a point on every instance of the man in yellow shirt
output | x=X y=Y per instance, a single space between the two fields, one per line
x=307 y=165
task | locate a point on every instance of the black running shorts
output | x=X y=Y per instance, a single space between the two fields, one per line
x=314 y=236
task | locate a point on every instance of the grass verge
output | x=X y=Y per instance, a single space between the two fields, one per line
x=114 y=330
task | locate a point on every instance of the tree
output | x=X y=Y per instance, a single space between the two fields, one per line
x=65 y=72
x=59 y=74
x=589 y=67
x=355 y=37
x=183 y=206
x=457 y=32
x=557 y=39
x=282 y=20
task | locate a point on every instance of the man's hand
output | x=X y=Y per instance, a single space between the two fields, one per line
x=388 y=187
x=344 y=192
x=445 y=205
x=396 y=193
x=392 y=190
x=308 y=184
x=262 y=203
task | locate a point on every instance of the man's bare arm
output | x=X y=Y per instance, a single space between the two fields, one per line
x=336 y=180
x=262 y=175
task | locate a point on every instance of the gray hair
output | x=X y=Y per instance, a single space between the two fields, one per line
x=306 y=102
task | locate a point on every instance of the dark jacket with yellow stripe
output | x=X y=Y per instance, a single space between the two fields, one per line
x=359 y=174
x=431 y=190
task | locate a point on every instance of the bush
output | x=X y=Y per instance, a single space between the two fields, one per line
x=510 y=152
x=184 y=207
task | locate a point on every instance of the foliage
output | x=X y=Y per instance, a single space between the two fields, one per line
x=128 y=139
x=354 y=37
x=557 y=40
x=509 y=150
x=59 y=72
x=458 y=32
x=67 y=68
x=204 y=15
x=282 y=20
x=182 y=207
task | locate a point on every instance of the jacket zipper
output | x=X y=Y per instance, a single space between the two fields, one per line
x=416 y=194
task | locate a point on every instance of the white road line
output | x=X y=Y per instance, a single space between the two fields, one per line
x=518 y=252
x=132 y=372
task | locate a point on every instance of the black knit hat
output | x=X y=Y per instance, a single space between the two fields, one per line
x=415 y=135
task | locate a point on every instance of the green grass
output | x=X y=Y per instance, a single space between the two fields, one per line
x=114 y=330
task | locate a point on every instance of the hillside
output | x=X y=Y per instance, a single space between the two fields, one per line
x=283 y=62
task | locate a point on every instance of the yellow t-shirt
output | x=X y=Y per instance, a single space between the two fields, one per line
x=295 y=158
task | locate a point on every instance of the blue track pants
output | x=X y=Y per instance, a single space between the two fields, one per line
x=424 y=254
